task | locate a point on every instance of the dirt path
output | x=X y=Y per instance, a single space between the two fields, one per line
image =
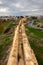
x=20 y=49
x=21 y=52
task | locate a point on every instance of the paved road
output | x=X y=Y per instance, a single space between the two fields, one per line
x=32 y=26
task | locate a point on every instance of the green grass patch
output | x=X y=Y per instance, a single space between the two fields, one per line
x=36 y=32
x=2 y=26
x=11 y=25
x=5 y=25
x=6 y=41
x=38 y=51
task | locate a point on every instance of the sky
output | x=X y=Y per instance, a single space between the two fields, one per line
x=21 y=7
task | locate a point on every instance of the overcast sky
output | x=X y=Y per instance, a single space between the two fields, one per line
x=21 y=7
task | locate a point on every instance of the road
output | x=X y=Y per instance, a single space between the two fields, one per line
x=32 y=26
x=21 y=52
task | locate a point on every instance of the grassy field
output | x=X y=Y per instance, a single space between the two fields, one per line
x=36 y=41
x=37 y=32
x=2 y=26
x=5 y=40
x=6 y=25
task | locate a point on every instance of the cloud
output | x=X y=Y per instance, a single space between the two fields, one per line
x=3 y=10
x=21 y=7
x=0 y=2
x=17 y=5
